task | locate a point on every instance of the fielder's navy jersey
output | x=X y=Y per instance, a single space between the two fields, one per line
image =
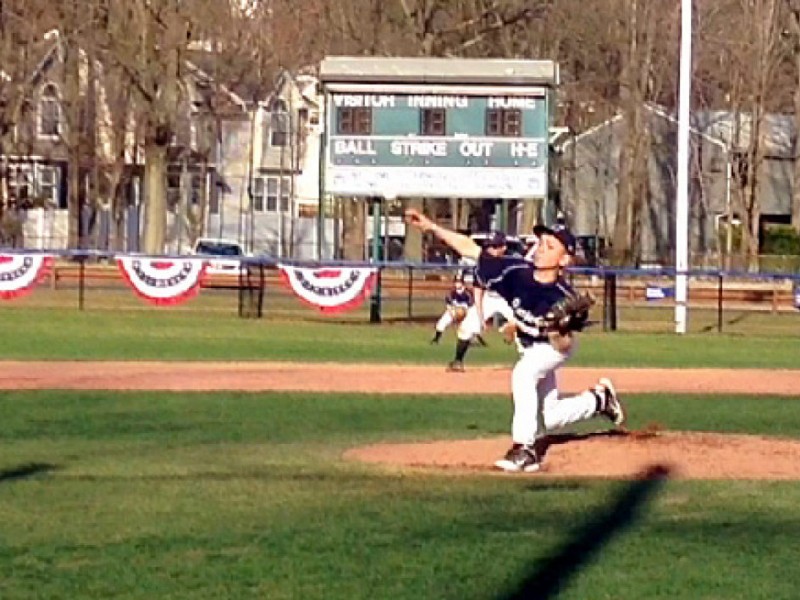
x=463 y=298
x=512 y=278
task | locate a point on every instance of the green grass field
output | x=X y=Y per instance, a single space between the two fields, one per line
x=234 y=495
x=146 y=495
x=68 y=334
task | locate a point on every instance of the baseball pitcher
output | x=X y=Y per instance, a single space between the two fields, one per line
x=547 y=313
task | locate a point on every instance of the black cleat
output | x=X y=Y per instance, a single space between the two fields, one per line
x=611 y=406
x=519 y=459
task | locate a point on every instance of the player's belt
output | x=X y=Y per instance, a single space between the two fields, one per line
x=535 y=340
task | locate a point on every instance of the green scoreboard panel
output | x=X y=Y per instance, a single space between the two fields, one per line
x=445 y=141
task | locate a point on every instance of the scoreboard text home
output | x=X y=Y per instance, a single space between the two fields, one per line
x=437 y=127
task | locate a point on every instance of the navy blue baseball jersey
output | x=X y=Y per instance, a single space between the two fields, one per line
x=512 y=278
x=463 y=298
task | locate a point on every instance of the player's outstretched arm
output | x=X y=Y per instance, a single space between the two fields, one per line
x=462 y=244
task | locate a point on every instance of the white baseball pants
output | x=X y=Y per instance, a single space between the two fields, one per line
x=494 y=304
x=444 y=321
x=537 y=407
x=470 y=326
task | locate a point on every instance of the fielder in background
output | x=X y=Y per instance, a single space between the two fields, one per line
x=489 y=303
x=534 y=290
x=460 y=311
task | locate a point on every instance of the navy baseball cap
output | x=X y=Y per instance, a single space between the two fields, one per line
x=561 y=233
x=498 y=238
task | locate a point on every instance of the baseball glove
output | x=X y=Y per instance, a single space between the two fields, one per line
x=569 y=314
x=459 y=313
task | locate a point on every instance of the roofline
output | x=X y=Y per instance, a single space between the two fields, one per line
x=230 y=93
x=372 y=69
x=39 y=68
x=656 y=110
x=283 y=76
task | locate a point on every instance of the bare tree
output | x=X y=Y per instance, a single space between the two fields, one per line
x=77 y=21
x=148 y=41
x=756 y=59
x=794 y=31
x=636 y=69
x=22 y=48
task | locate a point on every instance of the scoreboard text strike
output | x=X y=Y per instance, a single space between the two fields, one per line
x=449 y=145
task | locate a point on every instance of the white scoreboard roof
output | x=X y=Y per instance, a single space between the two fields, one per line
x=370 y=69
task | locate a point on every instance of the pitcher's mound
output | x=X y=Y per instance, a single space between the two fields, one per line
x=612 y=455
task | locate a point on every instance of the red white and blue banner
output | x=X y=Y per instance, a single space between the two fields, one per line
x=163 y=282
x=19 y=273
x=331 y=289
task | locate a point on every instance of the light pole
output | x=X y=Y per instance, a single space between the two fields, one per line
x=682 y=192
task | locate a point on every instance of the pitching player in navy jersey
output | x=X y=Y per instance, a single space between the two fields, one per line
x=531 y=288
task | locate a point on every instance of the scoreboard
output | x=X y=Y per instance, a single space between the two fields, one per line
x=454 y=137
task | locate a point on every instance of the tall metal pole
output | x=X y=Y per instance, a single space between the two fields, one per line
x=682 y=196
x=323 y=141
x=375 y=304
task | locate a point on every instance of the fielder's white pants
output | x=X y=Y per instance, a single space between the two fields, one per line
x=470 y=326
x=537 y=407
x=444 y=321
x=494 y=304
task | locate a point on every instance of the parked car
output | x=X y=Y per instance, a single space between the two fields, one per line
x=218 y=248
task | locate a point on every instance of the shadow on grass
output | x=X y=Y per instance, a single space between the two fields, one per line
x=25 y=471
x=733 y=321
x=549 y=576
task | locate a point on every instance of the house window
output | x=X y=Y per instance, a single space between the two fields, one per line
x=504 y=122
x=258 y=195
x=433 y=121
x=173 y=189
x=49 y=112
x=20 y=185
x=48 y=184
x=279 y=124
x=270 y=192
x=354 y=121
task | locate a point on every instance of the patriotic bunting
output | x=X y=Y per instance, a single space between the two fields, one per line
x=163 y=282
x=20 y=272
x=332 y=289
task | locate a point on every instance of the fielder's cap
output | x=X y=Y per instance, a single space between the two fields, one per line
x=561 y=233
x=497 y=238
